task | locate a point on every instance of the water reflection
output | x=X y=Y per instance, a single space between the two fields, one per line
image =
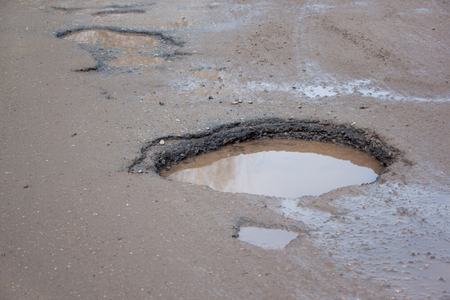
x=108 y=38
x=266 y=238
x=281 y=168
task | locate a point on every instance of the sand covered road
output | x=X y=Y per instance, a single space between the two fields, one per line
x=74 y=116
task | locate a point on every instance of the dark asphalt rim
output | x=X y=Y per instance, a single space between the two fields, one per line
x=159 y=35
x=155 y=156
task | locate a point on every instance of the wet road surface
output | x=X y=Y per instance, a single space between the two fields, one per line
x=76 y=224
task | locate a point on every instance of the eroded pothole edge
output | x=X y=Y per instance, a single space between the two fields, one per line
x=172 y=149
x=102 y=55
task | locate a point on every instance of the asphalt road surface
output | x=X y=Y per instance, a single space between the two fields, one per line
x=86 y=85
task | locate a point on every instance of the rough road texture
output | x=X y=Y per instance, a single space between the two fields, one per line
x=157 y=156
x=76 y=225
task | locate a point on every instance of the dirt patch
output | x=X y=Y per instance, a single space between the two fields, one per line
x=172 y=149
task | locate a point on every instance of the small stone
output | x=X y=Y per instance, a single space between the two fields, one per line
x=234 y=103
x=239 y=101
x=161 y=103
x=140 y=171
x=210 y=97
x=250 y=102
x=161 y=142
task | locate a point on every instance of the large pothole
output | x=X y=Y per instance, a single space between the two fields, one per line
x=171 y=150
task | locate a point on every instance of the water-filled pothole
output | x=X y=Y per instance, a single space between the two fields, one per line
x=108 y=38
x=119 y=47
x=280 y=168
x=163 y=151
x=271 y=239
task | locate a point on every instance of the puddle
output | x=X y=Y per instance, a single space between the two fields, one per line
x=280 y=168
x=119 y=47
x=271 y=239
x=396 y=233
x=107 y=38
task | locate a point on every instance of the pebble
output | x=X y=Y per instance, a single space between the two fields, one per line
x=161 y=142
x=250 y=102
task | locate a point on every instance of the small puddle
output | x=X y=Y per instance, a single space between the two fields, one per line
x=128 y=49
x=107 y=38
x=278 y=167
x=271 y=239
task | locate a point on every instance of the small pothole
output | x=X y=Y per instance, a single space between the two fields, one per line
x=270 y=239
x=122 y=48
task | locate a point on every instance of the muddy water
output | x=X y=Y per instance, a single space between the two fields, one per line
x=270 y=239
x=280 y=168
x=107 y=38
x=130 y=44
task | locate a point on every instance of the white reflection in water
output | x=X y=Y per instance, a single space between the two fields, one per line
x=278 y=173
x=266 y=238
